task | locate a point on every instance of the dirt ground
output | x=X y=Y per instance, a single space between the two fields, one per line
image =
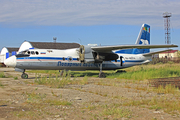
x=99 y=99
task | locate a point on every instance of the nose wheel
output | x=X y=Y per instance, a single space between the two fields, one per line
x=24 y=76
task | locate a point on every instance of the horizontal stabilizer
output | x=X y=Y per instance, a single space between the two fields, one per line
x=152 y=53
x=117 y=47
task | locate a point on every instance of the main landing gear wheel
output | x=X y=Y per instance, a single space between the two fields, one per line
x=102 y=75
x=24 y=76
x=61 y=72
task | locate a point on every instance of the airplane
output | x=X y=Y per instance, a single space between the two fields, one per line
x=88 y=57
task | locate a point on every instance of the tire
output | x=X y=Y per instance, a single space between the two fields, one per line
x=102 y=75
x=24 y=76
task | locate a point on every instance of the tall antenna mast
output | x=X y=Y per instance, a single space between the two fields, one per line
x=54 y=38
x=166 y=17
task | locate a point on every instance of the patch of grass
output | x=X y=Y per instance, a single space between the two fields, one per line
x=37 y=105
x=2 y=75
x=28 y=114
x=167 y=104
x=3 y=102
x=1 y=85
x=116 y=111
x=44 y=71
x=34 y=97
x=88 y=73
x=140 y=72
x=84 y=80
x=15 y=78
x=167 y=89
x=144 y=72
x=59 y=81
x=90 y=107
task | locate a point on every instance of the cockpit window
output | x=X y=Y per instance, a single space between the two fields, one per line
x=26 y=52
x=23 y=52
x=32 y=52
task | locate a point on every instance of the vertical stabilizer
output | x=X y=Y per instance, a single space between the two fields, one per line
x=143 y=38
x=144 y=35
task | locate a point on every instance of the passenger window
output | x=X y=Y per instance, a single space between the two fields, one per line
x=37 y=53
x=70 y=59
x=77 y=59
x=63 y=58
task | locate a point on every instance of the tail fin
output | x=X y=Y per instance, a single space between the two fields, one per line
x=144 y=35
x=143 y=38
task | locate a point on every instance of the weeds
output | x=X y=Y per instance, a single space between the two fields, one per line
x=168 y=105
x=141 y=72
x=59 y=81
x=84 y=80
x=144 y=72
x=1 y=85
x=2 y=75
x=167 y=89
x=116 y=111
x=34 y=97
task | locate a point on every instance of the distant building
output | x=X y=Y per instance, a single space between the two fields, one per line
x=47 y=45
x=6 y=52
x=155 y=56
x=169 y=54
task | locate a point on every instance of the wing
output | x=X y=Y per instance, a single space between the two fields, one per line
x=117 y=47
x=152 y=53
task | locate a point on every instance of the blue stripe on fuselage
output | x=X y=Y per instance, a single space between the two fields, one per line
x=45 y=58
x=59 y=58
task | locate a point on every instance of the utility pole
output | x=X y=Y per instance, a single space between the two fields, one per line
x=166 y=17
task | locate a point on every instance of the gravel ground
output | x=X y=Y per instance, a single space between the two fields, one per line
x=99 y=99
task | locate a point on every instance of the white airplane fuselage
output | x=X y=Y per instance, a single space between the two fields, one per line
x=50 y=59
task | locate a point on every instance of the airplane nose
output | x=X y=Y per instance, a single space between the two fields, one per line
x=11 y=61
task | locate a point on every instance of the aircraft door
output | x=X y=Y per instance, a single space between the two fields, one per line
x=122 y=61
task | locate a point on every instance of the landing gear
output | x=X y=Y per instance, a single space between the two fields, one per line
x=24 y=76
x=64 y=73
x=61 y=72
x=101 y=74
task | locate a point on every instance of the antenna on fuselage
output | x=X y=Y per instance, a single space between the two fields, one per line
x=80 y=41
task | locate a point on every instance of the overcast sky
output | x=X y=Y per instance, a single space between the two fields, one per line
x=85 y=21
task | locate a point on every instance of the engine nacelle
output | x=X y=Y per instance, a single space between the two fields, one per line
x=87 y=55
x=105 y=56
